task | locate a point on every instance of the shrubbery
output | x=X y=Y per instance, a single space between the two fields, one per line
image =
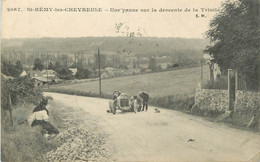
x=11 y=70
x=178 y=102
x=65 y=73
x=21 y=89
x=82 y=73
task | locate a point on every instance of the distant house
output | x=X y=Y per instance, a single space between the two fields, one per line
x=108 y=73
x=125 y=72
x=41 y=78
x=136 y=71
x=74 y=71
x=23 y=74
x=50 y=73
x=40 y=81
x=35 y=73
x=164 y=65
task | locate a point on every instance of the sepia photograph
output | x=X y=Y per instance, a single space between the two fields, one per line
x=121 y=80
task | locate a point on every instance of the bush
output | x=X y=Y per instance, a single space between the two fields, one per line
x=38 y=65
x=82 y=73
x=65 y=73
x=11 y=70
x=20 y=89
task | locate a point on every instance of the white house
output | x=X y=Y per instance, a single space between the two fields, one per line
x=74 y=71
x=23 y=74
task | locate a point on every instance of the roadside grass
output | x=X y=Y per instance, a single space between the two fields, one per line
x=181 y=102
x=21 y=142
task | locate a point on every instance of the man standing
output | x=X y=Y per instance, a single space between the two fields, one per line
x=145 y=98
x=115 y=95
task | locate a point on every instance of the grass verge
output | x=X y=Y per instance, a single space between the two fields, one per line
x=21 y=142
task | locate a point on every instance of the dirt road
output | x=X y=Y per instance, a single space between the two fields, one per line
x=149 y=136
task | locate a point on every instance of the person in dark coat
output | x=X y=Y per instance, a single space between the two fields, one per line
x=41 y=106
x=145 y=98
x=47 y=128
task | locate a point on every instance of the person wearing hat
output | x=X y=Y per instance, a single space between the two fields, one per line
x=42 y=106
x=145 y=98
x=115 y=95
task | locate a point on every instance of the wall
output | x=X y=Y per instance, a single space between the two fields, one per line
x=247 y=106
x=212 y=102
x=247 y=100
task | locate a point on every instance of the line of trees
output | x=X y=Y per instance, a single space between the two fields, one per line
x=234 y=37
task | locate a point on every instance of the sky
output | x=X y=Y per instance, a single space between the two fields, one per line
x=35 y=24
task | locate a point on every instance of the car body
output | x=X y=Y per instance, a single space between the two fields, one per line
x=124 y=103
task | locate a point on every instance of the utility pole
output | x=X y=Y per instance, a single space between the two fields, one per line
x=99 y=72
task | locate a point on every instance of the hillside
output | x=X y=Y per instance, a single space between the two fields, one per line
x=140 y=46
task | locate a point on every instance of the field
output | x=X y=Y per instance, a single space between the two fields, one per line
x=182 y=81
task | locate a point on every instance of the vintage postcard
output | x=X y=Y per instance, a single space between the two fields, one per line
x=122 y=80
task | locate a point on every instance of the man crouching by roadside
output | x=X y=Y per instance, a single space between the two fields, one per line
x=145 y=98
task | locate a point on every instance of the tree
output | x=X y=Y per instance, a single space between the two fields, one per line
x=234 y=37
x=103 y=61
x=20 y=89
x=64 y=60
x=51 y=66
x=19 y=65
x=57 y=66
x=82 y=73
x=65 y=73
x=38 y=65
x=152 y=64
x=123 y=67
x=78 y=64
x=11 y=70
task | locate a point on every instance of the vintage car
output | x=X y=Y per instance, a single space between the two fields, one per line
x=136 y=103
x=123 y=102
